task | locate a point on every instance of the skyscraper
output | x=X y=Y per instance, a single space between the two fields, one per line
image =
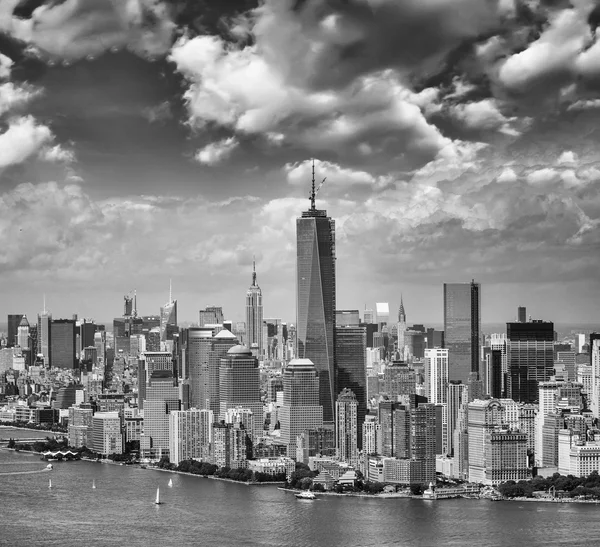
x=522 y=314
x=43 y=330
x=14 y=320
x=239 y=384
x=351 y=368
x=254 y=314
x=301 y=408
x=62 y=343
x=168 y=317
x=346 y=411
x=315 y=308
x=197 y=346
x=530 y=358
x=212 y=315
x=23 y=333
x=462 y=327
x=401 y=329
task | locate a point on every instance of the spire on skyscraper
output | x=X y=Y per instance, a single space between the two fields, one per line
x=253 y=271
x=170 y=291
x=401 y=312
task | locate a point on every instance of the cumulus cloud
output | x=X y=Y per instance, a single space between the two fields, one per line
x=5 y=66
x=57 y=154
x=484 y=115
x=23 y=138
x=14 y=96
x=74 y=29
x=216 y=152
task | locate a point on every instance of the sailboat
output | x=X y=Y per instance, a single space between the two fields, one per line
x=93 y=484
x=170 y=483
x=158 y=502
x=49 y=483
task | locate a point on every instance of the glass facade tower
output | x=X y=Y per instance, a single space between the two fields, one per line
x=462 y=328
x=315 y=308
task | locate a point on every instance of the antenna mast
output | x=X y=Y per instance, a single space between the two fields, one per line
x=170 y=291
x=313 y=193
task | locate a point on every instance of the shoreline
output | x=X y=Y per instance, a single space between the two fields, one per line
x=254 y=483
x=395 y=495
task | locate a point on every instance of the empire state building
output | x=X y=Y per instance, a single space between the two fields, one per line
x=254 y=315
x=315 y=309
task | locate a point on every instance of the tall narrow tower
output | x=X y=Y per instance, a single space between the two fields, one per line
x=168 y=317
x=401 y=329
x=315 y=309
x=254 y=314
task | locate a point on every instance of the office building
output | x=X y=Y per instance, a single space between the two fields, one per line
x=398 y=379
x=435 y=338
x=162 y=397
x=168 y=318
x=462 y=329
x=346 y=427
x=44 y=349
x=530 y=358
x=273 y=343
x=351 y=369
x=595 y=391
x=220 y=344
x=212 y=315
x=301 y=409
x=23 y=333
x=347 y=318
x=254 y=315
x=522 y=314
x=382 y=310
x=315 y=334
x=240 y=385
x=190 y=435
x=197 y=343
x=436 y=387
x=14 y=320
x=62 y=343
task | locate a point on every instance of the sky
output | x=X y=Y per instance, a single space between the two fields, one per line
x=149 y=140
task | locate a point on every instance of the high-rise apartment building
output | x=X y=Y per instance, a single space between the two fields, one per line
x=229 y=445
x=106 y=437
x=346 y=427
x=436 y=386
x=398 y=379
x=351 y=368
x=301 y=407
x=457 y=399
x=240 y=385
x=190 y=435
x=483 y=417
x=530 y=358
x=62 y=343
x=315 y=307
x=462 y=328
x=595 y=391
x=254 y=315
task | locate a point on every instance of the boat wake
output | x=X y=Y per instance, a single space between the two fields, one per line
x=26 y=472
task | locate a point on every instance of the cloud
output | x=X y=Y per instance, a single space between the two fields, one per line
x=57 y=154
x=158 y=113
x=241 y=90
x=14 y=96
x=23 y=138
x=216 y=152
x=567 y=157
x=5 y=66
x=74 y=29
x=484 y=115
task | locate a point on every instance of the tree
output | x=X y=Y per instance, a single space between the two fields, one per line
x=416 y=489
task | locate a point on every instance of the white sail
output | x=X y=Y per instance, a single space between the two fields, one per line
x=49 y=483
x=170 y=482
x=93 y=483
x=157 y=502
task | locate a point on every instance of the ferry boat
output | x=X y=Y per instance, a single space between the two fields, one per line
x=306 y=495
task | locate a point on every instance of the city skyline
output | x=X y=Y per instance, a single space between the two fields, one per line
x=472 y=155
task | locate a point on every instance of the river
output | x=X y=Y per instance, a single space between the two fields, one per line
x=198 y=511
